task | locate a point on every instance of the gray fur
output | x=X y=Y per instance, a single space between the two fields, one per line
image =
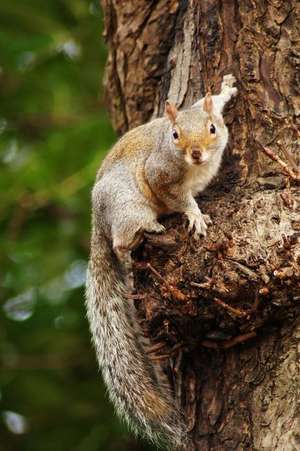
x=122 y=212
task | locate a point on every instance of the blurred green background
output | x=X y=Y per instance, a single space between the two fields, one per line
x=53 y=135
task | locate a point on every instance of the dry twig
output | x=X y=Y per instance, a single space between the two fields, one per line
x=234 y=311
x=285 y=167
x=156 y=347
x=168 y=354
x=175 y=292
x=226 y=344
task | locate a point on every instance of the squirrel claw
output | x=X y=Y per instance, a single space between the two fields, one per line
x=228 y=85
x=228 y=80
x=197 y=225
x=155 y=227
x=207 y=220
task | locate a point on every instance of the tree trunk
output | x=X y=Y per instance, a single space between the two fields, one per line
x=224 y=313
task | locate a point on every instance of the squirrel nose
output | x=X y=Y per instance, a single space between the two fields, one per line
x=196 y=154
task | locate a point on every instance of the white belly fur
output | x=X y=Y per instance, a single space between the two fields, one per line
x=198 y=177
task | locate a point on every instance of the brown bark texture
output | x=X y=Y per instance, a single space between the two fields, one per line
x=223 y=312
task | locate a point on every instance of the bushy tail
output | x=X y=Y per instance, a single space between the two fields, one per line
x=133 y=383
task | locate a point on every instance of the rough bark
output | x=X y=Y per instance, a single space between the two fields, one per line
x=229 y=344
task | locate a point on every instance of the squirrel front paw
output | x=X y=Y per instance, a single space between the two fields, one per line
x=207 y=220
x=227 y=84
x=198 y=223
x=155 y=227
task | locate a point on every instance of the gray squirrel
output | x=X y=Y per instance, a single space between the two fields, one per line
x=154 y=169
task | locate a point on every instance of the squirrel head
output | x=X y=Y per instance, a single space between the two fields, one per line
x=197 y=132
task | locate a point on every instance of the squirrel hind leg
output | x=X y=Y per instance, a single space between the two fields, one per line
x=127 y=238
x=122 y=249
x=128 y=232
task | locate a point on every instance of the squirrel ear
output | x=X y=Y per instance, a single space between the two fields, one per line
x=171 y=111
x=208 y=103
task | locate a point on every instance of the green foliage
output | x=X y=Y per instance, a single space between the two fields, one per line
x=53 y=135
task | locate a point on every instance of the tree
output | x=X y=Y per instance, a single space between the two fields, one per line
x=223 y=312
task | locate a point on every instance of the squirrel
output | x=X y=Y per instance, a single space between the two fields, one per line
x=154 y=169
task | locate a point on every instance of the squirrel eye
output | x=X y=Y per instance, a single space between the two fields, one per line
x=175 y=134
x=212 y=129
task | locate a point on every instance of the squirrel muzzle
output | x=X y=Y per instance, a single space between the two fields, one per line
x=196 y=155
